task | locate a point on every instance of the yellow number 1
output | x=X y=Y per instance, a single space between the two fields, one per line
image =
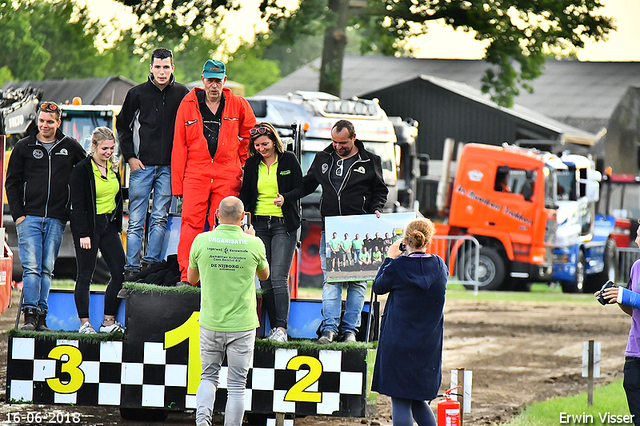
x=189 y=330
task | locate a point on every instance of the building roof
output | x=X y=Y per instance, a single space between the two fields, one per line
x=570 y=91
x=568 y=134
x=63 y=90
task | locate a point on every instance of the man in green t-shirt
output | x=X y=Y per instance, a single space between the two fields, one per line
x=345 y=246
x=376 y=256
x=334 y=246
x=356 y=244
x=364 y=257
x=224 y=261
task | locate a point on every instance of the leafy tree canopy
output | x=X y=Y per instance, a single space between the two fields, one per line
x=518 y=32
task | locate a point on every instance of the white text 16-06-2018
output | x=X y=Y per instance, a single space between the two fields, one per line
x=53 y=417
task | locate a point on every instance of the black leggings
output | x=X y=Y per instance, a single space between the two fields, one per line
x=631 y=384
x=107 y=239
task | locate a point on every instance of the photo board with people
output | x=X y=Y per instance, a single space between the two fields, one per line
x=356 y=246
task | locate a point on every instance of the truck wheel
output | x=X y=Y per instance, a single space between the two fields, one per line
x=609 y=271
x=143 y=414
x=491 y=269
x=577 y=285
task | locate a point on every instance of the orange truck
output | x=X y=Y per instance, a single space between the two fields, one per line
x=504 y=197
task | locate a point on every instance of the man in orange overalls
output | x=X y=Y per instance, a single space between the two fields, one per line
x=210 y=147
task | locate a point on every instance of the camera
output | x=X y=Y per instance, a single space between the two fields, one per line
x=402 y=247
x=606 y=285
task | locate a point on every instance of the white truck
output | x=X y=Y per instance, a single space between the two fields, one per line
x=317 y=112
x=585 y=255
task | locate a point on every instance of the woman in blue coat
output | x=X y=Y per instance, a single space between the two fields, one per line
x=409 y=359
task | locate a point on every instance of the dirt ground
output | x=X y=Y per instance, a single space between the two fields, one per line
x=519 y=353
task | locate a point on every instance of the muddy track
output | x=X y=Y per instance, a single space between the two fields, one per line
x=519 y=353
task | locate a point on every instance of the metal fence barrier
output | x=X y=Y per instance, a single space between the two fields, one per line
x=626 y=257
x=461 y=254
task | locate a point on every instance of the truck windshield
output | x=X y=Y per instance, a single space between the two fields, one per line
x=566 y=184
x=624 y=200
x=550 y=187
x=384 y=149
x=81 y=127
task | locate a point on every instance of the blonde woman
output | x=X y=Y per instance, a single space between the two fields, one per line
x=409 y=358
x=96 y=222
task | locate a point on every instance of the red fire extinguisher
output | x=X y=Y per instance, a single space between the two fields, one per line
x=449 y=410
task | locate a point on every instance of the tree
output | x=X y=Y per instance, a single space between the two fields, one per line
x=518 y=31
x=16 y=39
x=246 y=66
x=34 y=48
x=71 y=42
x=126 y=58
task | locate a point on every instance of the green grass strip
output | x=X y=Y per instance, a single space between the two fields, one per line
x=152 y=288
x=609 y=408
x=311 y=345
x=67 y=335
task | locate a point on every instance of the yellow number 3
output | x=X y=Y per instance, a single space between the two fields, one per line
x=70 y=366
x=298 y=391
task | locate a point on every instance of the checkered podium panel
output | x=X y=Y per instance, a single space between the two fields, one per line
x=316 y=382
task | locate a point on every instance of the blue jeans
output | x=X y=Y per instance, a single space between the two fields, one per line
x=39 y=240
x=280 y=246
x=238 y=347
x=141 y=183
x=332 y=301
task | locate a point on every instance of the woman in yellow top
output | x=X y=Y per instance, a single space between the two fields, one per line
x=96 y=222
x=271 y=186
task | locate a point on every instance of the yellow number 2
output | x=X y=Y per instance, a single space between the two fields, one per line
x=70 y=366
x=298 y=392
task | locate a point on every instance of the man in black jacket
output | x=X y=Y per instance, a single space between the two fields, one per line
x=38 y=193
x=145 y=130
x=352 y=184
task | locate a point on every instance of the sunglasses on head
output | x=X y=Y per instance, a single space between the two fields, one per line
x=260 y=131
x=49 y=107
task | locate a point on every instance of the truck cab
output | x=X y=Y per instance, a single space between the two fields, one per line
x=585 y=254
x=505 y=197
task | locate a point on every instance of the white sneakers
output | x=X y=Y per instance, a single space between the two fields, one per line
x=87 y=328
x=277 y=335
x=112 y=328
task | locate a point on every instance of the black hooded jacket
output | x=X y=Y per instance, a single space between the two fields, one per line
x=38 y=181
x=146 y=122
x=363 y=190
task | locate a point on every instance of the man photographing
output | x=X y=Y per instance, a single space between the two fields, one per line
x=224 y=261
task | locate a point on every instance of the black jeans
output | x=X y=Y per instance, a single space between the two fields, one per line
x=279 y=245
x=631 y=384
x=106 y=238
